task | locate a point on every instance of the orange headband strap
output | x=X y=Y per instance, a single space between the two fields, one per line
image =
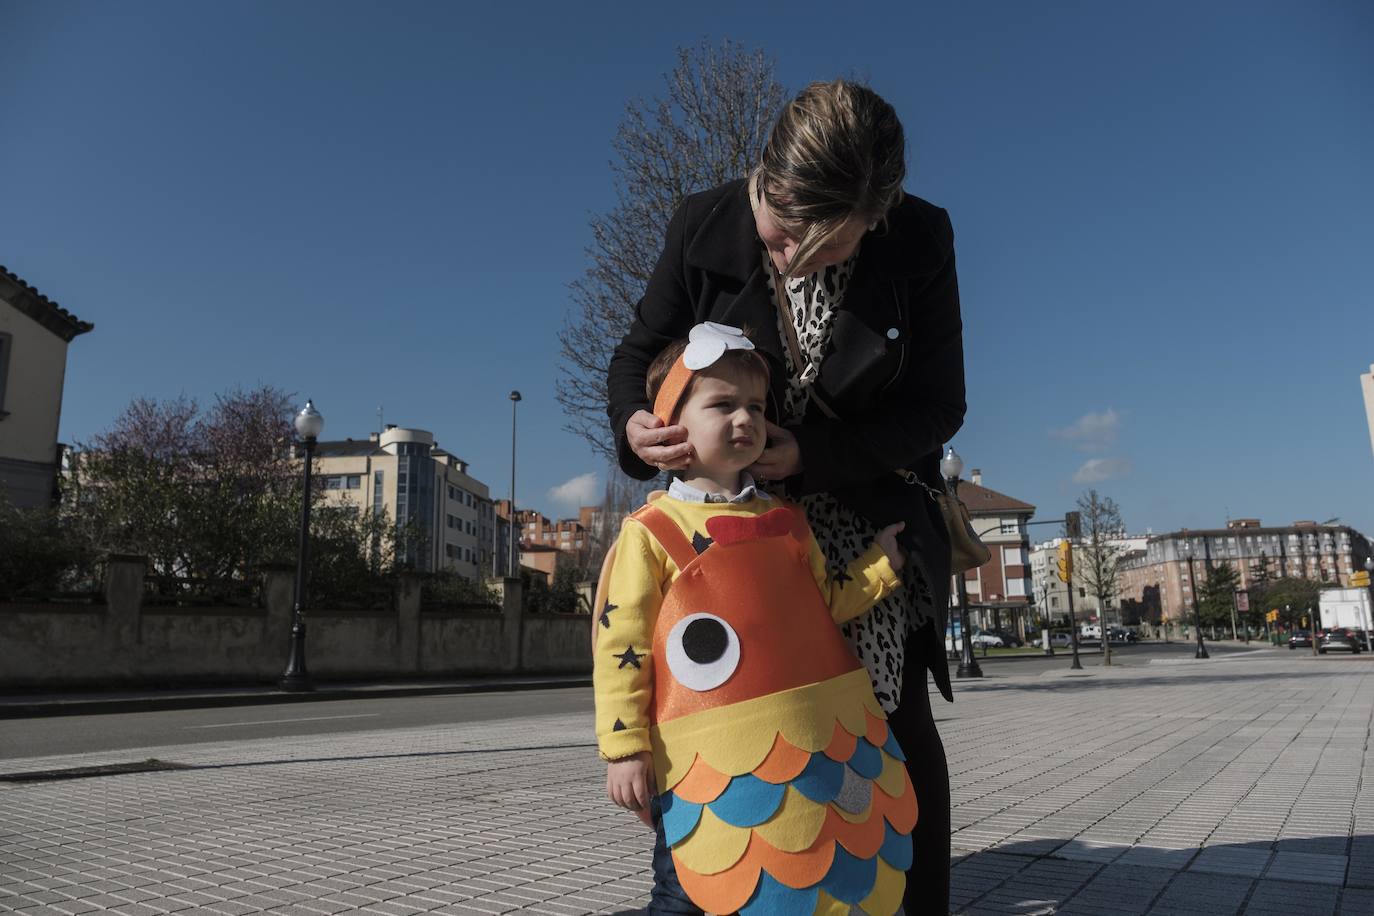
x=671 y=391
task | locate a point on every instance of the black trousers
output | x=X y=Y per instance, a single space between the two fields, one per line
x=927 y=883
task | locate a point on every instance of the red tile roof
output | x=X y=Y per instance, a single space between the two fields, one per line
x=983 y=501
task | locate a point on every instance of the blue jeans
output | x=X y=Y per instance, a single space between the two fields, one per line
x=667 y=895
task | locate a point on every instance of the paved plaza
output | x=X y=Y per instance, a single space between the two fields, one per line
x=1244 y=784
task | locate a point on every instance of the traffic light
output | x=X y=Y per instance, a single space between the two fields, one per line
x=1073 y=526
x=1065 y=561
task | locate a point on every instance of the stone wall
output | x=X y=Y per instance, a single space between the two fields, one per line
x=122 y=642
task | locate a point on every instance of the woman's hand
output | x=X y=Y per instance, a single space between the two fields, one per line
x=781 y=459
x=663 y=447
x=887 y=540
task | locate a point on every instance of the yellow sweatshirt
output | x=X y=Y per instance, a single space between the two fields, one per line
x=640 y=577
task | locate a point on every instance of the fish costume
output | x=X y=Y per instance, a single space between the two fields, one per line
x=717 y=648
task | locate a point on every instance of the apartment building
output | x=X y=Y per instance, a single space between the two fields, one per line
x=405 y=474
x=999 y=591
x=1160 y=578
x=1052 y=595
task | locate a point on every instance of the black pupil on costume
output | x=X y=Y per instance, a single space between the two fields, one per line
x=704 y=640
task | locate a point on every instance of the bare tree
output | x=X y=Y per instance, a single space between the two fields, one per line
x=709 y=128
x=1100 y=563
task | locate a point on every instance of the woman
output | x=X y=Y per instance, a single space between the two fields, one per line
x=865 y=341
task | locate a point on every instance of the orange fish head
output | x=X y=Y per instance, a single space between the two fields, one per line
x=745 y=620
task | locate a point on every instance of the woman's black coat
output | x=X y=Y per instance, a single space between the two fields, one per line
x=894 y=373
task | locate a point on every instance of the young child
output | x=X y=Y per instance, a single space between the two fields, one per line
x=731 y=712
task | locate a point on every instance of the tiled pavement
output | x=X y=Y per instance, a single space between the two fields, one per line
x=1236 y=786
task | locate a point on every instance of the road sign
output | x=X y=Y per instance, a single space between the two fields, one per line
x=1243 y=602
x=1359 y=580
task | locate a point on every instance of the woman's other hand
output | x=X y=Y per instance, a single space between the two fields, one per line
x=887 y=540
x=663 y=447
x=781 y=459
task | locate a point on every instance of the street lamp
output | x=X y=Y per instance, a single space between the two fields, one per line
x=309 y=425
x=514 y=569
x=1369 y=572
x=951 y=466
x=1197 y=614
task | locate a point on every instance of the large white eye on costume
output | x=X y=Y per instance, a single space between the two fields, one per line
x=703 y=651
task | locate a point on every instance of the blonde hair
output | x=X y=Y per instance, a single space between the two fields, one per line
x=837 y=151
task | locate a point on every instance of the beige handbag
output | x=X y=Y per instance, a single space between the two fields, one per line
x=966 y=551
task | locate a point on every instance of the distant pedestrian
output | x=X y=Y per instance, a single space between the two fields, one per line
x=850 y=284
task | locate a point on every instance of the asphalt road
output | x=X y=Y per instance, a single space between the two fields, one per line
x=116 y=732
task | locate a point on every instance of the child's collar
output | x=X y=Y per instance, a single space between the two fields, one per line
x=690 y=494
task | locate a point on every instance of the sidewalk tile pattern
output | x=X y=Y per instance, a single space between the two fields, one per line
x=1237 y=788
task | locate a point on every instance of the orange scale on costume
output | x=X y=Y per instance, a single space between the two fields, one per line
x=877 y=730
x=728 y=890
x=842 y=744
x=901 y=812
x=783 y=763
x=862 y=839
x=702 y=784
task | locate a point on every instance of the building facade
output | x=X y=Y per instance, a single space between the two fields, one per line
x=404 y=474
x=1052 y=595
x=34 y=334
x=999 y=592
x=1161 y=580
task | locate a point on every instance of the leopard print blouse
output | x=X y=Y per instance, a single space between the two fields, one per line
x=878 y=637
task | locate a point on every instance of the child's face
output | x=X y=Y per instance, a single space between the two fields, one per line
x=723 y=413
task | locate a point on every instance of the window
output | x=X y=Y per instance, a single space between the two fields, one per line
x=333 y=482
x=1011 y=526
x=355 y=481
x=377 y=497
x=452 y=522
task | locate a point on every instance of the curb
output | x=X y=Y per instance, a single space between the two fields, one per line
x=15 y=707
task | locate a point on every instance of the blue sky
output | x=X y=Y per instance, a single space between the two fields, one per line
x=1164 y=216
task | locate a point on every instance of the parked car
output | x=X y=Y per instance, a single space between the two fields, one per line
x=1061 y=639
x=1341 y=641
x=1300 y=639
x=1122 y=635
x=1089 y=631
x=1008 y=638
x=985 y=639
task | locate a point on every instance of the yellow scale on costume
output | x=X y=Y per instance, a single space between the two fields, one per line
x=782 y=789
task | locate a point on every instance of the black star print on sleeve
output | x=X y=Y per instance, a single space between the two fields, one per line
x=606 y=614
x=841 y=577
x=629 y=657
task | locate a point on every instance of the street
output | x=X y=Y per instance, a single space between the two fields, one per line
x=114 y=732
x=1240 y=784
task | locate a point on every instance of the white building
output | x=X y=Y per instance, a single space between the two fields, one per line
x=1052 y=595
x=404 y=473
x=34 y=334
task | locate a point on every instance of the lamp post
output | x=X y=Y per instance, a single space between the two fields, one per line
x=951 y=466
x=1197 y=613
x=1369 y=571
x=309 y=425
x=1314 y=617
x=514 y=561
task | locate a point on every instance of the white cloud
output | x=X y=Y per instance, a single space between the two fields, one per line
x=583 y=490
x=1096 y=470
x=1092 y=432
